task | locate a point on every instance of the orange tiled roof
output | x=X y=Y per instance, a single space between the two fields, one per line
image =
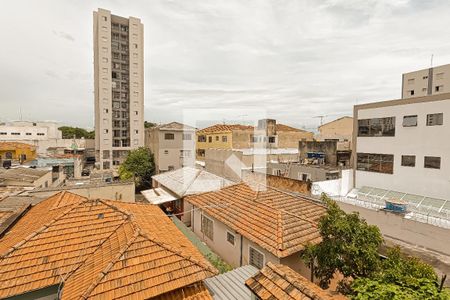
x=101 y=249
x=278 y=222
x=225 y=128
x=276 y=281
x=14 y=145
x=282 y=127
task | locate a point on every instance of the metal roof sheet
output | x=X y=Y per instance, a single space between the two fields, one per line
x=231 y=285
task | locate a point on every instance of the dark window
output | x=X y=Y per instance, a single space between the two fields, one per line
x=377 y=127
x=207 y=227
x=210 y=139
x=410 y=121
x=432 y=162
x=435 y=119
x=169 y=136
x=408 y=160
x=224 y=138
x=411 y=92
x=371 y=162
x=202 y=138
x=230 y=238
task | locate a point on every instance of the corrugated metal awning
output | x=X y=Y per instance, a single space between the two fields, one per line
x=158 y=196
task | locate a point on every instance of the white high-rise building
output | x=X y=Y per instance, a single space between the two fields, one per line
x=119 y=87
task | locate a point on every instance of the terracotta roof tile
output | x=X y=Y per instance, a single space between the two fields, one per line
x=276 y=281
x=102 y=249
x=225 y=128
x=279 y=222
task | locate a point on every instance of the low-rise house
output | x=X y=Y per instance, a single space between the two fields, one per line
x=279 y=282
x=170 y=188
x=256 y=224
x=26 y=177
x=70 y=247
x=340 y=130
x=172 y=144
x=16 y=152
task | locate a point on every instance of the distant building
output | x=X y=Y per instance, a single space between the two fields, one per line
x=403 y=146
x=255 y=224
x=340 y=130
x=26 y=177
x=425 y=82
x=266 y=135
x=118 y=87
x=16 y=152
x=93 y=245
x=172 y=144
x=29 y=131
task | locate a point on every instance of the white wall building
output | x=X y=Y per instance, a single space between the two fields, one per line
x=404 y=146
x=29 y=131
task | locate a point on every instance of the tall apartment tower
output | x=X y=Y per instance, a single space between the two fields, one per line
x=119 y=87
x=426 y=82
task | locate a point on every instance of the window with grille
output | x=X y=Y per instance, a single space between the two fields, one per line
x=207 y=227
x=410 y=121
x=435 y=119
x=169 y=136
x=408 y=160
x=256 y=258
x=230 y=238
x=432 y=162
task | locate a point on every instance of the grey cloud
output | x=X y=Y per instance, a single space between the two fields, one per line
x=64 y=35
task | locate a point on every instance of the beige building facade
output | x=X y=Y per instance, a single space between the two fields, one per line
x=340 y=129
x=119 y=87
x=425 y=82
x=172 y=144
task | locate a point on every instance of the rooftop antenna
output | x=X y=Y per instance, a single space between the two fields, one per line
x=20 y=111
x=432 y=55
x=321 y=119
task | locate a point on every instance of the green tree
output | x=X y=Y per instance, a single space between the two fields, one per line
x=69 y=132
x=149 y=124
x=139 y=165
x=400 y=277
x=349 y=245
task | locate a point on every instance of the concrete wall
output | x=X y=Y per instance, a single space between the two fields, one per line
x=242 y=139
x=420 y=141
x=409 y=231
x=124 y=191
x=282 y=183
x=327 y=147
x=340 y=129
x=290 y=139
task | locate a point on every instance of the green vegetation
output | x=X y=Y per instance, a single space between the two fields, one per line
x=350 y=247
x=218 y=263
x=149 y=124
x=139 y=165
x=69 y=132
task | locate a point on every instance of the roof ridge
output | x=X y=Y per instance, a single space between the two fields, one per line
x=109 y=266
x=40 y=230
x=121 y=210
x=175 y=251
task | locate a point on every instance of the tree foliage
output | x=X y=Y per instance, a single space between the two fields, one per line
x=349 y=245
x=399 y=277
x=149 y=124
x=69 y=132
x=139 y=165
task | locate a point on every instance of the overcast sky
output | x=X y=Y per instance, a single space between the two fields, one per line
x=292 y=59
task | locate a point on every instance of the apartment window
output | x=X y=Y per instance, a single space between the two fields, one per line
x=135 y=46
x=135 y=112
x=435 y=119
x=425 y=77
x=271 y=139
x=106 y=165
x=432 y=162
x=28 y=133
x=136 y=131
x=424 y=89
x=169 y=136
x=105 y=154
x=116 y=143
x=439 y=88
x=201 y=152
x=372 y=162
x=105 y=110
x=105 y=130
x=408 y=160
x=230 y=238
x=3 y=133
x=116 y=133
x=166 y=151
x=104 y=28
x=411 y=92
x=40 y=133
x=410 y=121
x=224 y=138
x=15 y=133
x=377 y=127
x=207 y=227
x=187 y=137
x=105 y=59
x=201 y=138
x=256 y=258
x=217 y=138
x=411 y=81
x=105 y=18
x=210 y=139
x=170 y=168
x=440 y=76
